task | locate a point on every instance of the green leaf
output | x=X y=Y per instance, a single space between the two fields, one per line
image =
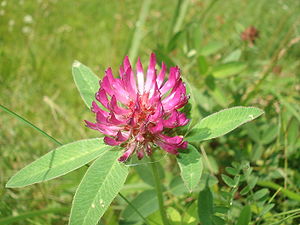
x=218 y=220
x=260 y=194
x=174 y=41
x=153 y=219
x=223 y=122
x=233 y=56
x=232 y=171
x=145 y=172
x=59 y=161
x=245 y=190
x=267 y=208
x=161 y=56
x=216 y=91
x=252 y=182
x=177 y=186
x=86 y=81
x=194 y=101
x=229 y=181
x=211 y=48
x=245 y=216
x=207 y=180
x=221 y=209
x=174 y=216
x=191 y=167
x=202 y=65
x=99 y=186
x=146 y=202
x=228 y=69
x=205 y=207
x=190 y=216
x=270 y=134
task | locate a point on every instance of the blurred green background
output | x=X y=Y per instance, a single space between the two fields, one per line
x=40 y=39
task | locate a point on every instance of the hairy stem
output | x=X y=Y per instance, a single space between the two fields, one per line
x=159 y=192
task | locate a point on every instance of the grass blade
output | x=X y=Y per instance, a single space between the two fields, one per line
x=24 y=216
x=29 y=124
x=138 y=32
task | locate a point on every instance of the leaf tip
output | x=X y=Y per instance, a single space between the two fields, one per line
x=76 y=63
x=9 y=184
x=259 y=112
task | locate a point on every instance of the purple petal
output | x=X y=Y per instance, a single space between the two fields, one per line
x=115 y=88
x=140 y=154
x=113 y=106
x=176 y=119
x=171 y=122
x=127 y=153
x=176 y=140
x=161 y=76
x=126 y=63
x=182 y=120
x=157 y=128
x=129 y=83
x=109 y=75
x=167 y=147
x=105 y=129
x=102 y=97
x=100 y=118
x=95 y=108
x=113 y=120
x=111 y=141
x=122 y=136
x=157 y=114
x=174 y=75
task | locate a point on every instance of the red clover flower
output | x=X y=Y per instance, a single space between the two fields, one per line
x=136 y=112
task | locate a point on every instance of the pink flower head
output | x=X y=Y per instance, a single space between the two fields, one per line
x=136 y=112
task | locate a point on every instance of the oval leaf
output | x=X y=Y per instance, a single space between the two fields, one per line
x=223 y=122
x=99 y=186
x=177 y=186
x=86 y=81
x=59 y=161
x=191 y=167
x=260 y=194
x=145 y=173
x=146 y=203
x=211 y=48
x=228 y=69
x=245 y=216
x=205 y=207
x=228 y=180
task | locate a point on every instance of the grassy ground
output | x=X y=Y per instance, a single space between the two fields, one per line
x=39 y=40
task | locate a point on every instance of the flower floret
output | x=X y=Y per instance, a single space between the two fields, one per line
x=137 y=109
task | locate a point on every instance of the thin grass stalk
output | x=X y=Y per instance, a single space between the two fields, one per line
x=138 y=32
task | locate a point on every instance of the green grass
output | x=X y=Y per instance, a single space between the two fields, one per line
x=36 y=82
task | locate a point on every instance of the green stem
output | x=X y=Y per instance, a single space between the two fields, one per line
x=138 y=32
x=159 y=192
x=134 y=208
